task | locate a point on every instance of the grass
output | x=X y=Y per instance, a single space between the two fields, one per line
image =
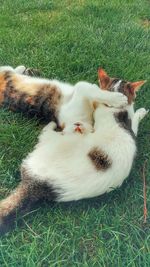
x=68 y=40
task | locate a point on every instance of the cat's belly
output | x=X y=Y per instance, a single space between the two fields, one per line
x=70 y=171
x=71 y=184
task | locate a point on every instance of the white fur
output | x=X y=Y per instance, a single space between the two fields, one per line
x=62 y=160
x=117 y=86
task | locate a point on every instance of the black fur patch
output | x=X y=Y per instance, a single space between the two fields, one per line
x=123 y=119
x=99 y=159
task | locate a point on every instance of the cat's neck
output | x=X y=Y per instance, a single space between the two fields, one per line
x=104 y=116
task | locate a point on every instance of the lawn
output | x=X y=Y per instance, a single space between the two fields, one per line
x=68 y=40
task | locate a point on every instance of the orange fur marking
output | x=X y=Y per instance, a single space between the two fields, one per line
x=104 y=79
x=136 y=85
x=20 y=83
x=2 y=87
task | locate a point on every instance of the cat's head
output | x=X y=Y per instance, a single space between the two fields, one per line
x=117 y=85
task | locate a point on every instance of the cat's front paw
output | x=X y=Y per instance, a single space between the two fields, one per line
x=141 y=113
x=50 y=126
x=20 y=69
x=118 y=100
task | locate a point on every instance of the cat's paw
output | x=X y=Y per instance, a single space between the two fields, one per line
x=141 y=113
x=20 y=69
x=51 y=126
x=118 y=100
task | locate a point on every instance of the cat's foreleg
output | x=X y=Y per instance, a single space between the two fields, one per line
x=20 y=69
x=113 y=99
x=93 y=92
x=137 y=117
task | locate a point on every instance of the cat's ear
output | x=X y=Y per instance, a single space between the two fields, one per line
x=136 y=85
x=104 y=79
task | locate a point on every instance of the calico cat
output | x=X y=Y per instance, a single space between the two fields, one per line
x=74 y=166
x=42 y=98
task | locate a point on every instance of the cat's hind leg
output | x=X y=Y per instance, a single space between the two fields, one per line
x=92 y=91
x=137 y=117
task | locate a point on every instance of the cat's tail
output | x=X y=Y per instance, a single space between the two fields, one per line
x=22 y=200
x=15 y=204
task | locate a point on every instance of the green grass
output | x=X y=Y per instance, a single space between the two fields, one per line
x=68 y=40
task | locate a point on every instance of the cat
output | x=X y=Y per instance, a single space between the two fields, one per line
x=74 y=166
x=43 y=98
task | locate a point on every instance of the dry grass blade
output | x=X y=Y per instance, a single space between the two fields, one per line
x=144 y=190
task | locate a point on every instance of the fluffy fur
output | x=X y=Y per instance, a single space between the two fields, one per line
x=74 y=166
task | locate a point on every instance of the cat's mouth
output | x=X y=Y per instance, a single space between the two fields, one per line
x=78 y=128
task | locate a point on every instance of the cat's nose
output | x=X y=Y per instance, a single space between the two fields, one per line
x=78 y=124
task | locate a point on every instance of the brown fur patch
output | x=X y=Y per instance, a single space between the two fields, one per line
x=99 y=159
x=126 y=89
x=33 y=99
